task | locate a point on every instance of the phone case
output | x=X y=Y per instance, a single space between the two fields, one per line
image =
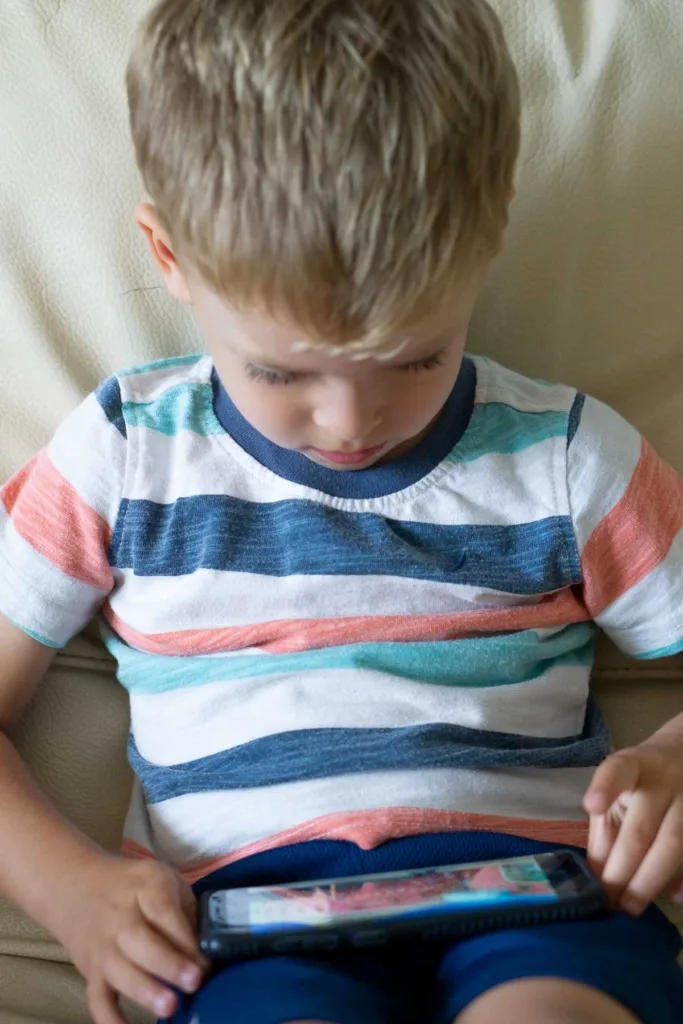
x=217 y=943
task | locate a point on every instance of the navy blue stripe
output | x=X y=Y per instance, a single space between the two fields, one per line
x=363 y=483
x=108 y=394
x=575 y=417
x=288 y=538
x=303 y=755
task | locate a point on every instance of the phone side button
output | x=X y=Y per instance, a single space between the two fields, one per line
x=289 y=945
x=369 y=937
x=321 y=943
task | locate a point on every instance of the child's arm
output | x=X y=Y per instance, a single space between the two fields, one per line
x=627 y=513
x=124 y=923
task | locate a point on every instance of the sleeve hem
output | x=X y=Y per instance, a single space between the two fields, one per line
x=50 y=631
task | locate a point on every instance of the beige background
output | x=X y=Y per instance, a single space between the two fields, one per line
x=589 y=291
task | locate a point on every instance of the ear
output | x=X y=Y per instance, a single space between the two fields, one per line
x=160 y=246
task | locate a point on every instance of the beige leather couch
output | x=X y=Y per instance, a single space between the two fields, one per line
x=590 y=291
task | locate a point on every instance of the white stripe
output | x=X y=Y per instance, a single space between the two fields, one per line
x=493 y=490
x=495 y=383
x=151 y=384
x=36 y=595
x=600 y=464
x=649 y=616
x=198 y=827
x=183 y=725
x=90 y=453
x=212 y=599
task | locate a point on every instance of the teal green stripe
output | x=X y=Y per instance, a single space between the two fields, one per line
x=183 y=407
x=479 y=661
x=498 y=429
x=162 y=364
x=37 y=636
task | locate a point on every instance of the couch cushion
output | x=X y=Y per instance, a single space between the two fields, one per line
x=588 y=291
x=35 y=992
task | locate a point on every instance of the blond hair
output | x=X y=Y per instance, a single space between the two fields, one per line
x=338 y=163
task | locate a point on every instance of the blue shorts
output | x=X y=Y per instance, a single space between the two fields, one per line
x=632 y=960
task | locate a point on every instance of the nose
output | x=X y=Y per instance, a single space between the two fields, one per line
x=347 y=413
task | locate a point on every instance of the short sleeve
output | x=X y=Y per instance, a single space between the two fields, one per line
x=56 y=520
x=627 y=511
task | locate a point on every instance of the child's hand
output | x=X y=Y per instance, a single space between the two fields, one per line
x=128 y=929
x=635 y=802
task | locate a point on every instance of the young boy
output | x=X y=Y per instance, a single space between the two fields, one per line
x=351 y=576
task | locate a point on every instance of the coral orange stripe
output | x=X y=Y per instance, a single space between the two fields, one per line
x=50 y=516
x=9 y=494
x=288 y=636
x=370 y=829
x=635 y=537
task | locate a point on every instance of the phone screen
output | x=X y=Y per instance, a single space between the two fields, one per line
x=389 y=896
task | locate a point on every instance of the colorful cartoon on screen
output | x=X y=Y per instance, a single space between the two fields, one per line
x=408 y=894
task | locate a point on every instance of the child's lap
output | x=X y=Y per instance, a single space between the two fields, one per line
x=634 y=961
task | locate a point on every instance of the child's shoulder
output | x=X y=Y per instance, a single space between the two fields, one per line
x=497 y=384
x=167 y=395
x=597 y=437
x=148 y=380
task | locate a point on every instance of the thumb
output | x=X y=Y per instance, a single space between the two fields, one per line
x=618 y=774
x=188 y=901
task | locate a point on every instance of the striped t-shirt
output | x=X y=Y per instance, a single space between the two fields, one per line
x=358 y=655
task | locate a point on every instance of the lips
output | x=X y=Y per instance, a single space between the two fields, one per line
x=349 y=458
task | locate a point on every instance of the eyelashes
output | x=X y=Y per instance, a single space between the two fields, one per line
x=261 y=375
x=430 y=363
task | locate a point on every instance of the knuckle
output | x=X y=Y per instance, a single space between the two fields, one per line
x=132 y=935
x=147 y=871
x=641 y=833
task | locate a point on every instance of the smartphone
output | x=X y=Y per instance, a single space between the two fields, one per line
x=422 y=905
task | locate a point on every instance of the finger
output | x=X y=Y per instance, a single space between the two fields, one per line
x=618 y=774
x=103 y=1004
x=129 y=980
x=642 y=822
x=661 y=864
x=676 y=891
x=149 y=950
x=602 y=833
x=188 y=900
x=162 y=907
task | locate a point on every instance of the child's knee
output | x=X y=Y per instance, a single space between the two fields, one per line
x=545 y=1001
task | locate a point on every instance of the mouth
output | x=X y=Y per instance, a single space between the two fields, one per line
x=349 y=458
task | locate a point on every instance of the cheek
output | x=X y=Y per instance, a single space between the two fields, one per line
x=417 y=400
x=270 y=409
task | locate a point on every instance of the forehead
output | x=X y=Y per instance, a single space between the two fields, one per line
x=260 y=338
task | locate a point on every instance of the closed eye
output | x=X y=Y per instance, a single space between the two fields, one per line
x=258 y=373
x=430 y=363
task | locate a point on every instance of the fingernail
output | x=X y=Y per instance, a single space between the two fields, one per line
x=189 y=979
x=164 y=1005
x=678 y=896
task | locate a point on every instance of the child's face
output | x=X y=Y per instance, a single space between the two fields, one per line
x=340 y=412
